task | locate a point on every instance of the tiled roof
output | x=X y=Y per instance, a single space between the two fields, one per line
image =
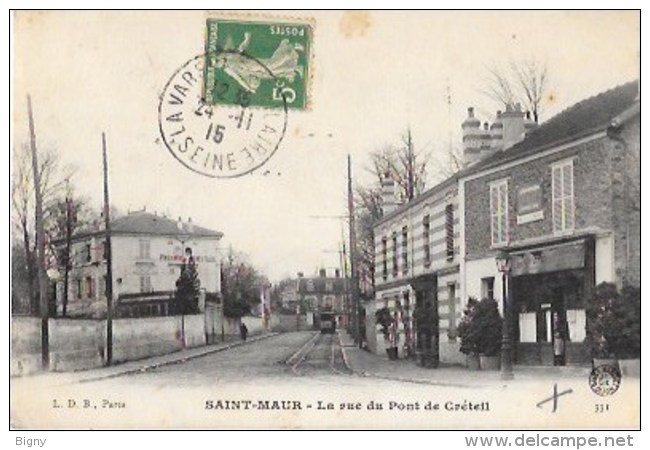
x=152 y=224
x=148 y=223
x=583 y=118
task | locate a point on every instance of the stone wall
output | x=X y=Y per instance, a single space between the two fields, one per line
x=78 y=344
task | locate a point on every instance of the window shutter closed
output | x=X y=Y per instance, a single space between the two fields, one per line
x=557 y=198
x=567 y=185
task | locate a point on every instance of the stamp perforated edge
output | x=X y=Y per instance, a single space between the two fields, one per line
x=255 y=16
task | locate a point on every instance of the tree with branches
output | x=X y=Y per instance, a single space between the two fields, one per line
x=524 y=82
x=240 y=284
x=52 y=177
x=408 y=169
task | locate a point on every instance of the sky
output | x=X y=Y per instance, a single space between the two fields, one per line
x=375 y=74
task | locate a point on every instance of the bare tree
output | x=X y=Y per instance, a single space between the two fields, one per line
x=52 y=181
x=408 y=169
x=524 y=82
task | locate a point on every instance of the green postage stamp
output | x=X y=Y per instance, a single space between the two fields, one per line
x=264 y=64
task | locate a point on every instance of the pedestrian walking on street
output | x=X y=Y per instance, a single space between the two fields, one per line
x=243 y=331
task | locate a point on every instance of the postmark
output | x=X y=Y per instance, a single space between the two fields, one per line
x=267 y=63
x=218 y=141
x=605 y=380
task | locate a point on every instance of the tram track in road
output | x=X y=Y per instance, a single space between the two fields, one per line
x=320 y=354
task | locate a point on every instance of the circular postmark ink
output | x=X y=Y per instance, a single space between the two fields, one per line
x=217 y=140
x=605 y=380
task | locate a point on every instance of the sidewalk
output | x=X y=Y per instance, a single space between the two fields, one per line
x=143 y=365
x=365 y=363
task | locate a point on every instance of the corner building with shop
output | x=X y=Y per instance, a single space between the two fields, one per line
x=561 y=201
x=563 y=205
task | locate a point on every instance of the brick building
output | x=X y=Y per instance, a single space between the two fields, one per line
x=562 y=200
x=564 y=204
x=147 y=252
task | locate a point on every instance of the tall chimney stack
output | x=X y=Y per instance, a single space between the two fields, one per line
x=513 y=125
x=389 y=203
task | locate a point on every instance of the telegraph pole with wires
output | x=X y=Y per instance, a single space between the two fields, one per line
x=40 y=243
x=109 y=261
x=354 y=291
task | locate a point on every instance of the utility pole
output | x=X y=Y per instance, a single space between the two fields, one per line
x=410 y=189
x=68 y=245
x=40 y=243
x=353 y=267
x=109 y=261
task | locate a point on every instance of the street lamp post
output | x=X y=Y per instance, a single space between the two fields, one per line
x=503 y=265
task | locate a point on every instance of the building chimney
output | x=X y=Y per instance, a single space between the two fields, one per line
x=529 y=124
x=337 y=273
x=322 y=273
x=496 y=132
x=513 y=125
x=472 y=137
x=389 y=203
x=179 y=224
x=190 y=225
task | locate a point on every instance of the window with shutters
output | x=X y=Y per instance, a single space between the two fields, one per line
x=449 y=231
x=563 y=204
x=145 y=283
x=89 y=287
x=394 y=254
x=145 y=249
x=499 y=212
x=405 y=251
x=384 y=258
x=426 y=238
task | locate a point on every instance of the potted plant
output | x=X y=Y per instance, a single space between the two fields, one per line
x=599 y=324
x=489 y=325
x=469 y=342
x=424 y=326
x=626 y=342
x=385 y=321
x=614 y=328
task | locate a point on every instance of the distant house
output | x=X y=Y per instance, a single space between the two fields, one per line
x=148 y=251
x=323 y=294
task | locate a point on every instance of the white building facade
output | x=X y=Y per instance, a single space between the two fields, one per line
x=417 y=262
x=147 y=254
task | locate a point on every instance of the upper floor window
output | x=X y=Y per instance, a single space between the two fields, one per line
x=405 y=251
x=499 y=212
x=87 y=255
x=426 y=237
x=384 y=258
x=89 y=286
x=394 y=254
x=449 y=231
x=562 y=191
x=145 y=249
x=145 y=283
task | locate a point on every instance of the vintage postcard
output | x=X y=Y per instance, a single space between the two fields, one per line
x=326 y=220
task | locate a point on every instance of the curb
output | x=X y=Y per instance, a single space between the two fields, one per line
x=362 y=373
x=178 y=360
x=344 y=353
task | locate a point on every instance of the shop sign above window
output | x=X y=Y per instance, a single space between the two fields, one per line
x=529 y=204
